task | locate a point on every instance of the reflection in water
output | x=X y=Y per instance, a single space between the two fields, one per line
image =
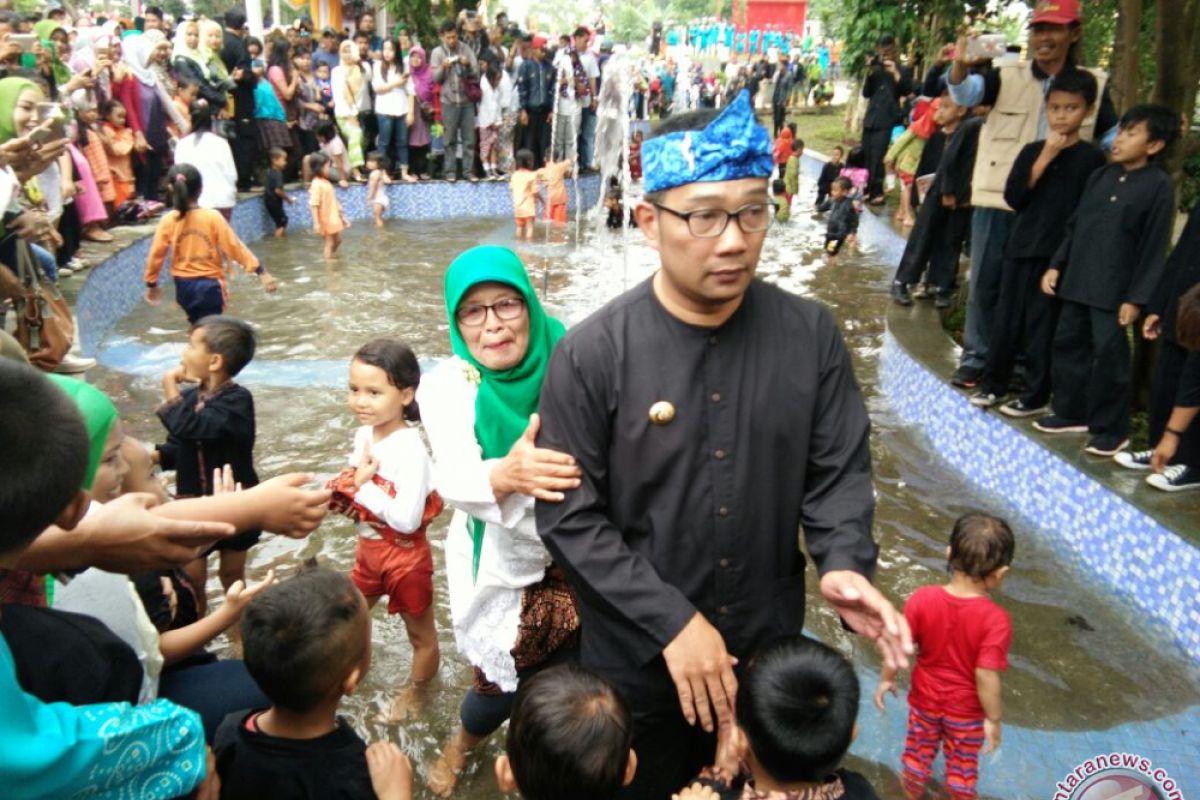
x=1064 y=675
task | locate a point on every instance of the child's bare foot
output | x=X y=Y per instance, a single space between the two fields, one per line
x=378 y=223
x=409 y=702
x=443 y=775
x=280 y=233
x=910 y=221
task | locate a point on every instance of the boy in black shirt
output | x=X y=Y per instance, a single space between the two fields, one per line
x=209 y=425
x=944 y=219
x=1105 y=272
x=1044 y=188
x=843 y=216
x=274 y=196
x=829 y=174
x=307 y=644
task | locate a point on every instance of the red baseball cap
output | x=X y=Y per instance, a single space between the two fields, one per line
x=539 y=41
x=1055 y=12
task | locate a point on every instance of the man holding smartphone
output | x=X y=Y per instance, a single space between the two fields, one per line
x=454 y=64
x=887 y=82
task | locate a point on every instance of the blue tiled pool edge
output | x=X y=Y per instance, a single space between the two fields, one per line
x=114 y=287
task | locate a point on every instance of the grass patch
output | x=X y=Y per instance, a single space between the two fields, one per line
x=822 y=129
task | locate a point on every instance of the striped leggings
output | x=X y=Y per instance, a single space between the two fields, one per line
x=961 y=739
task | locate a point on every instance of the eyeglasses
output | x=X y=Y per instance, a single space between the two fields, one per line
x=709 y=223
x=475 y=315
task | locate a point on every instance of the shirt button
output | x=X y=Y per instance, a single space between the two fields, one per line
x=716 y=397
x=712 y=340
x=720 y=454
x=723 y=563
x=723 y=610
x=1121 y=179
x=1112 y=199
x=723 y=511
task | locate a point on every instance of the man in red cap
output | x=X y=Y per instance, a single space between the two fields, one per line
x=535 y=87
x=1016 y=96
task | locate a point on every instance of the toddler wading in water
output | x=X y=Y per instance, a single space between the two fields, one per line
x=963 y=639
x=388 y=491
x=327 y=216
x=377 y=179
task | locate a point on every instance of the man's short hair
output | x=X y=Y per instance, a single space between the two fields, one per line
x=569 y=736
x=447 y=26
x=1162 y=123
x=581 y=31
x=44 y=458
x=231 y=338
x=235 y=20
x=303 y=636
x=797 y=703
x=1078 y=82
x=153 y=11
x=887 y=40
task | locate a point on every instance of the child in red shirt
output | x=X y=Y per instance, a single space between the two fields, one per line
x=962 y=639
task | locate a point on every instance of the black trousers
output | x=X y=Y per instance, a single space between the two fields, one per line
x=244 y=144
x=670 y=753
x=147 y=174
x=1091 y=369
x=1022 y=324
x=779 y=112
x=935 y=244
x=875 y=145
x=537 y=135
x=1169 y=378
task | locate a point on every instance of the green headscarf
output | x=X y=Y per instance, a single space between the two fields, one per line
x=99 y=415
x=506 y=398
x=10 y=92
x=44 y=30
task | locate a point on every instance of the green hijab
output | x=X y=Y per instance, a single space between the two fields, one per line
x=44 y=30
x=99 y=415
x=10 y=92
x=506 y=398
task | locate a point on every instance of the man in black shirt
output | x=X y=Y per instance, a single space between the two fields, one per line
x=713 y=417
x=887 y=82
x=236 y=58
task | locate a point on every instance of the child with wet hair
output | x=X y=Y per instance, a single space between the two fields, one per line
x=962 y=638
x=570 y=735
x=796 y=718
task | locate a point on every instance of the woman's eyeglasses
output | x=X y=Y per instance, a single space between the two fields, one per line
x=505 y=310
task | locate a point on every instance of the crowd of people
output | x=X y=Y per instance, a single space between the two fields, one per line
x=1068 y=215
x=627 y=588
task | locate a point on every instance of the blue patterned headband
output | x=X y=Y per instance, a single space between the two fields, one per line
x=733 y=146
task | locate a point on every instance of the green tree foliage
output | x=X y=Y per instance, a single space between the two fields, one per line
x=416 y=14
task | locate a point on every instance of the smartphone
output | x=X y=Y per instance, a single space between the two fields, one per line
x=51 y=118
x=986 y=46
x=26 y=41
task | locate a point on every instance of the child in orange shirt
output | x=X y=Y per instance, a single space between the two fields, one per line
x=554 y=177
x=197 y=238
x=327 y=216
x=118 y=146
x=185 y=95
x=523 y=185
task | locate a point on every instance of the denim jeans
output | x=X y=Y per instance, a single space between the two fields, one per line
x=459 y=120
x=989 y=238
x=587 y=139
x=393 y=139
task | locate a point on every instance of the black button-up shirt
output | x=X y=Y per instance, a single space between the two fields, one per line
x=1115 y=244
x=1044 y=210
x=703 y=513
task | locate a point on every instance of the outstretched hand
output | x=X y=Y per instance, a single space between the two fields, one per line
x=126 y=536
x=869 y=614
x=538 y=472
x=290 y=509
x=239 y=595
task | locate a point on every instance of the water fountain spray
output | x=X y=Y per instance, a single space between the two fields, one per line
x=613 y=115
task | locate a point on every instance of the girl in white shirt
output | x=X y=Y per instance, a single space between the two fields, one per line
x=491 y=115
x=212 y=158
x=393 y=107
x=388 y=491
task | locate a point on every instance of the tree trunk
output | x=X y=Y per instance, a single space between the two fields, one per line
x=1177 y=28
x=1127 y=68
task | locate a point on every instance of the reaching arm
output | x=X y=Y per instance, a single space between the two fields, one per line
x=987 y=683
x=158 y=249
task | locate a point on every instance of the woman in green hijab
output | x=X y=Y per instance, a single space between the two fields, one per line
x=52 y=36
x=106 y=466
x=512 y=610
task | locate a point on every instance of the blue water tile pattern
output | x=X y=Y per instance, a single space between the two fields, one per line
x=114 y=287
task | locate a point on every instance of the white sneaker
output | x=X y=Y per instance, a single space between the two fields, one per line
x=73 y=365
x=1179 y=478
x=1139 y=459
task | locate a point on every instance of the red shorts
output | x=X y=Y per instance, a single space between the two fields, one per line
x=404 y=574
x=906 y=178
x=557 y=213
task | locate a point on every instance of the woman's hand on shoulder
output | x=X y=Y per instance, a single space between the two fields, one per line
x=537 y=472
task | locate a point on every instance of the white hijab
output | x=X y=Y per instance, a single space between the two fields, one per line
x=135 y=52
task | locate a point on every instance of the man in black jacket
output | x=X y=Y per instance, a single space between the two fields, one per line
x=887 y=82
x=236 y=58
